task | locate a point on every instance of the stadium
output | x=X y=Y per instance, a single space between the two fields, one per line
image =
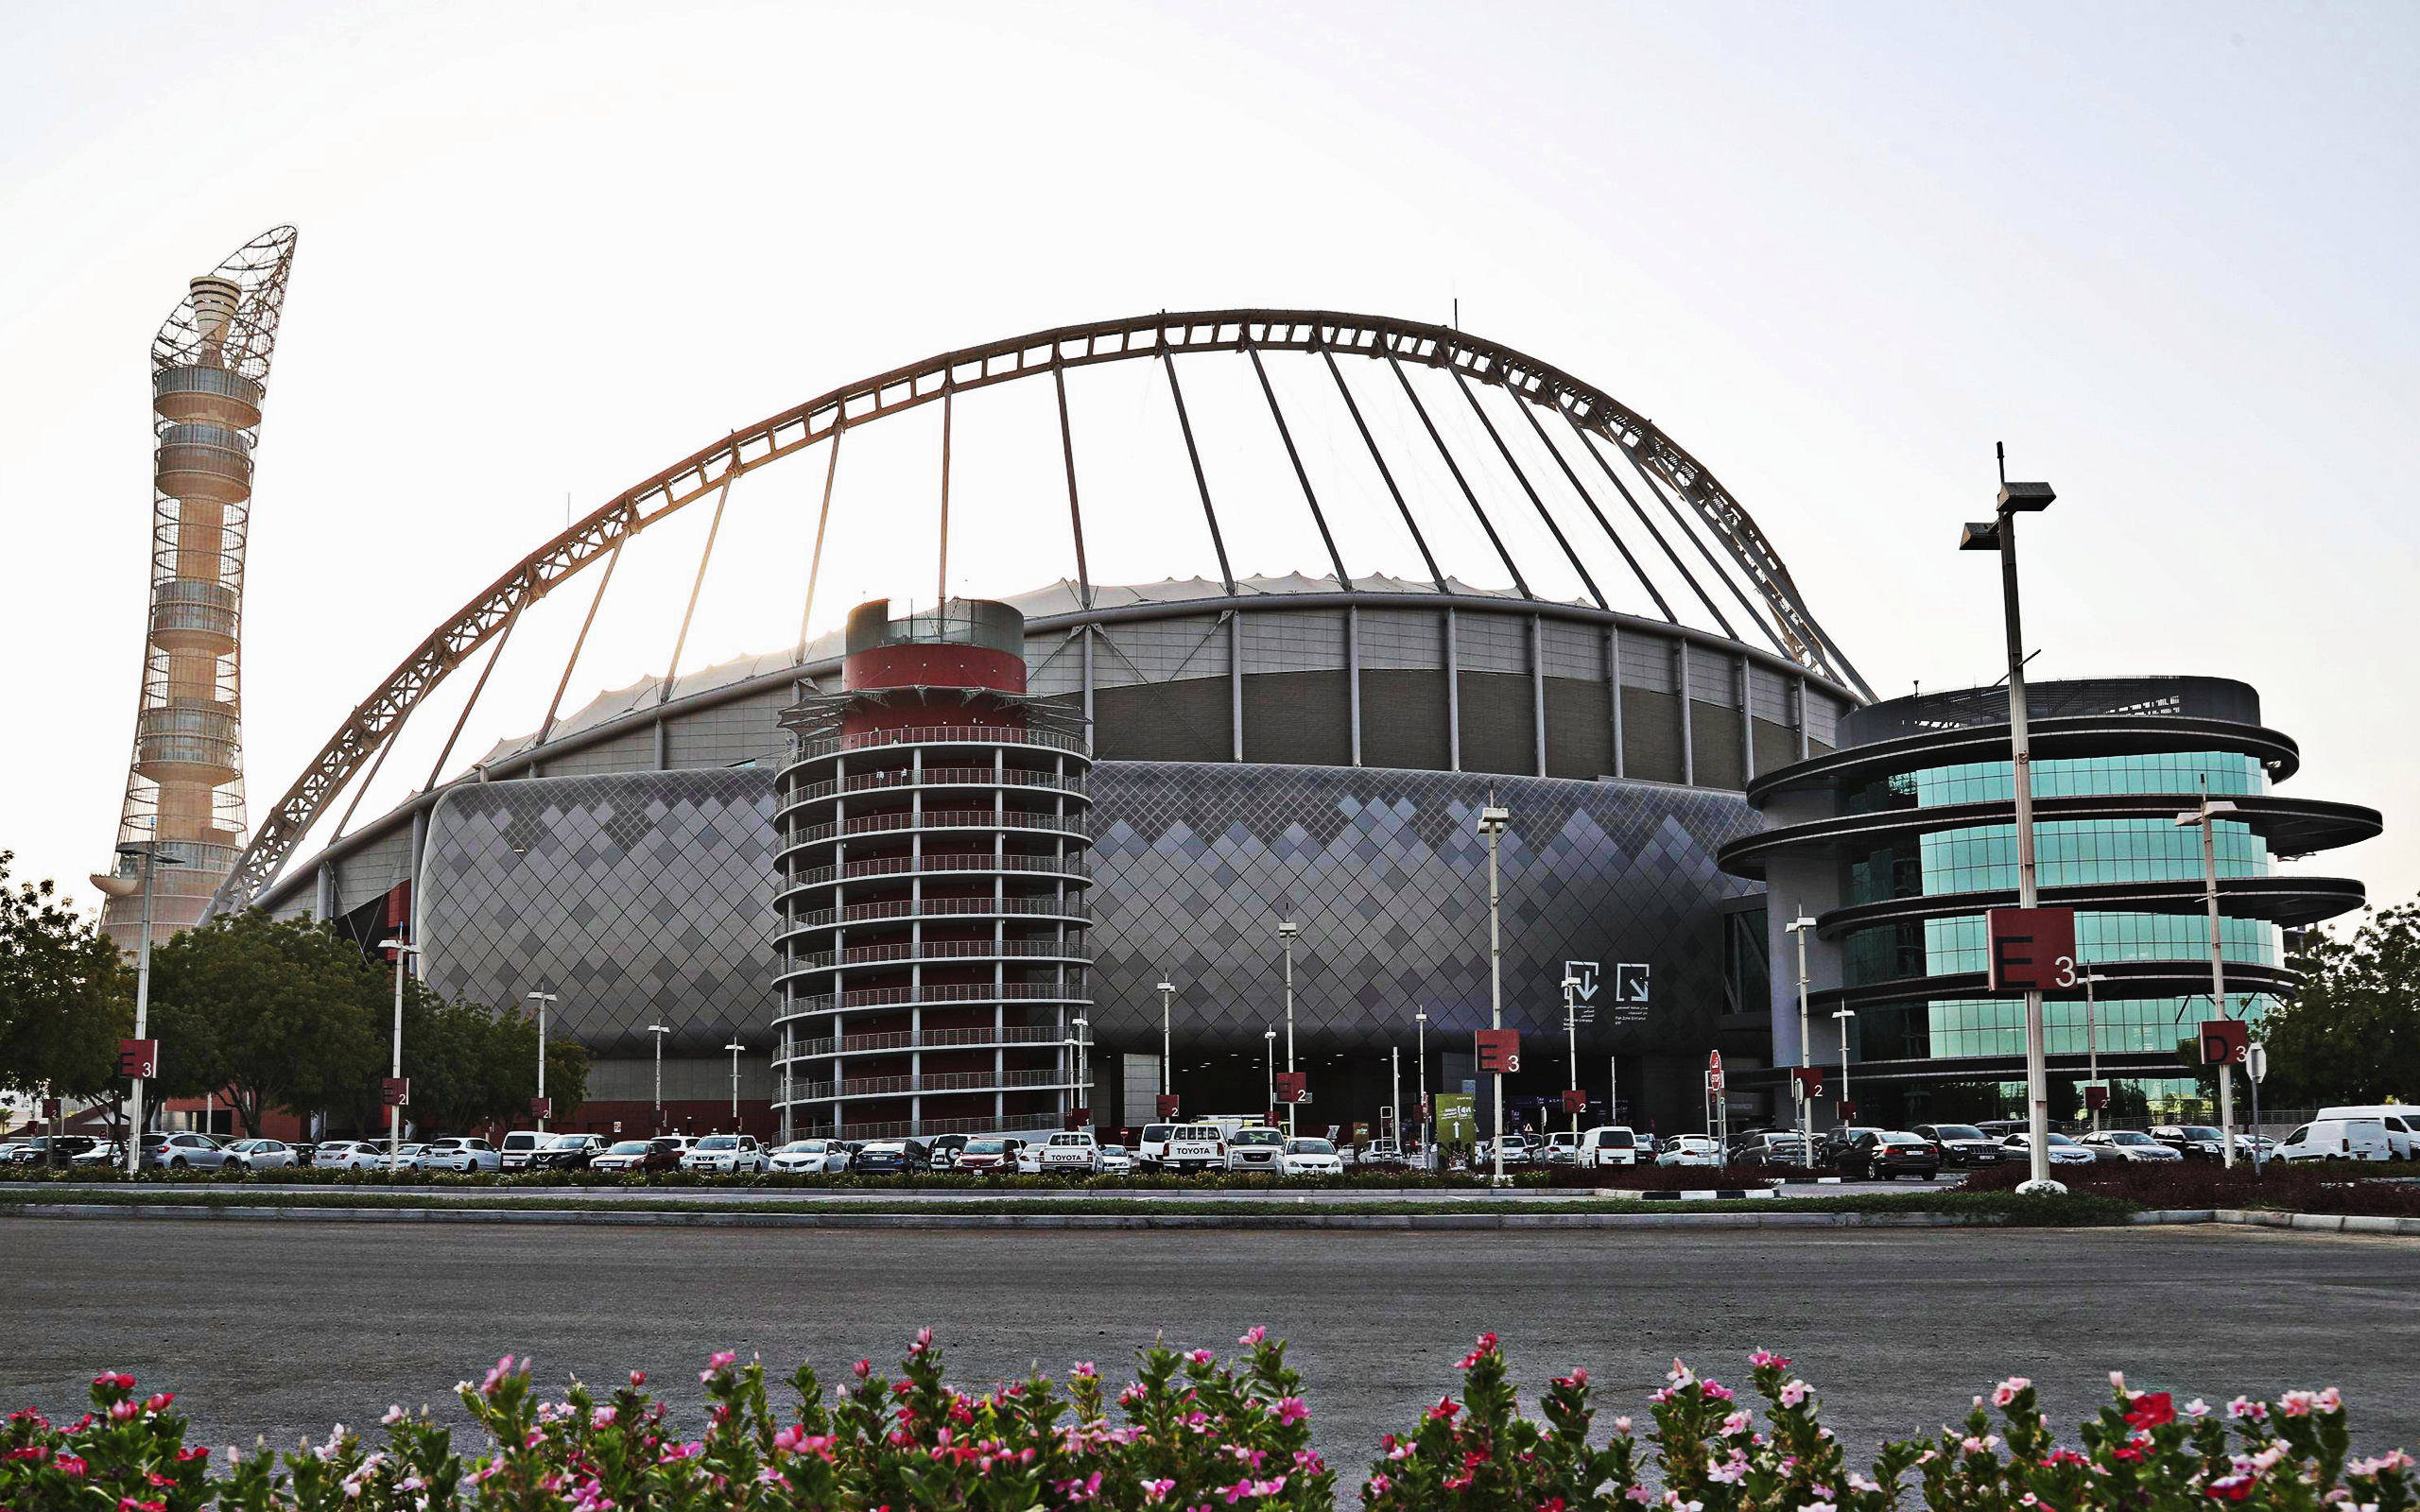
x=1497 y=586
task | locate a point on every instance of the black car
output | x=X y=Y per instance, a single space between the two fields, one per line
x=1962 y=1145
x=885 y=1156
x=568 y=1152
x=1884 y=1154
x=2195 y=1141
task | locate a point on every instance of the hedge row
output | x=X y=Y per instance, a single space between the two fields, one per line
x=1388 y=1180
x=1195 y=1433
x=2302 y=1187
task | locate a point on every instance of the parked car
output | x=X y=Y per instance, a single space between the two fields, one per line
x=1834 y=1142
x=990 y=1155
x=1691 y=1149
x=568 y=1152
x=1382 y=1153
x=1886 y=1155
x=891 y=1156
x=1074 y=1151
x=2338 y=1138
x=1182 y=1147
x=945 y=1151
x=1310 y=1157
x=729 y=1155
x=2195 y=1141
x=2062 y=1150
x=1516 y=1151
x=1256 y=1149
x=1608 y=1144
x=2131 y=1145
x=1774 y=1150
x=1116 y=1160
x=1962 y=1146
x=348 y=1155
x=37 y=1150
x=459 y=1152
x=663 y=1153
x=1029 y=1158
x=519 y=1148
x=406 y=1157
x=809 y=1158
x=1561 y=1148
x=2402 y=1123
x=261 y=1155
x=180 y=1152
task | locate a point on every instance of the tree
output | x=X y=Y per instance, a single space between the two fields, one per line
x=269 y=1013
x=66 y=995
x=2351 y=1032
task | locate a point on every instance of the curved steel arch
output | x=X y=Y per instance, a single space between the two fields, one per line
x=374 y=720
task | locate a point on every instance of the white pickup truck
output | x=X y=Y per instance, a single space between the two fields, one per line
x=1182 y=1147
x=1076 y=1151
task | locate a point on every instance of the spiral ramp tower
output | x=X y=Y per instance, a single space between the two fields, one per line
x=184 y=788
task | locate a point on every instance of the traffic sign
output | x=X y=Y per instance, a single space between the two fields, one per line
x=2033 y=949
x=2224 y=1042
x=1808 y=1081
x=1290 y=1086
x=2255 y=1062
x=138 y=1058
x=2096 y=1095
x=395 y=1091
x=1630 y=991
x=1499 y=1050
x=1845 y=1110
x=1713 y=1071
x=542 y=1108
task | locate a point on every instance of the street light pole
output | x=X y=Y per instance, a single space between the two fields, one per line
x=2000 y=534
x=545 y=1000
x=735 y=1047
x=658 y=1031
x=2092 y=1039
x=1799 y=927
x=1286 y=930
x=1421 y=1021
x=1840 y=1021
x=1394 y=1062
x=1167 y=1066
x=2204 y=816
x=394 y=1111
x=1571 y=1041
x=1271 y=1036
x=1491 y=821
x=149 y=854
x=1084 y=1061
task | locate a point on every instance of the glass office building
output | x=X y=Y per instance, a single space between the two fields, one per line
x=1897 y=843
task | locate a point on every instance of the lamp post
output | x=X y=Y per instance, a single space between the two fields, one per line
x=1571 y=1040
x=1841 y=1018
x=1084 y=1063
x=1799 y=927
x=2091 y=1038
x=1420 y=1020
x=2205 y=817
x=1395 y=1065
x=658 y=1031
x=735 y=1047
x=2000 y=534
x=1286 y=930
x=545 y=1000
x=395 y=1110
x=148 y=854
x=1167 y=1066
x=1271 y=1036
x=1491 y=821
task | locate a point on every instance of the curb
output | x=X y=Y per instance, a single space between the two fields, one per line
x=642 y=1218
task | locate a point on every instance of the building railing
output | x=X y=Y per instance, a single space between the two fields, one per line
x=903 y=1128
x=904 y=866
x=940 y=819
x=941 y=735
x=937 y=907
x=882 y=997
x=941 y=950
x=941 y=777
x=852 y=1044
x=955 y=1081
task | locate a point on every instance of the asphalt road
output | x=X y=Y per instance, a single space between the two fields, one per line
x=279 y=1329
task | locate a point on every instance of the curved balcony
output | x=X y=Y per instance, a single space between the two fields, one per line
x=955 y=1081
x=191 y=614
x=1071 y=871
x=941 y=950
x=209 y=396
x=902 y=780
x=202 y=462
x=951 y=994
x=2278 y=899
x=955 y=909
x=187 y=743
x=932 y=819
x=2062 y=738
x=943 y=735
x=893 y=1042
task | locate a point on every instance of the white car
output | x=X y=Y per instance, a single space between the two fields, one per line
x=2063 y=1151
x=518 y=1148
x=406 y=1157
x=811 y=1158
x=2131 y=1145
x=1183 y=1148
x=2402 y=1123
x=459 y=1153
x=349 y=1155
x=2338 y=1138
x=725 y=1155
x=1310 y=1157
x=1560 y=1148
x=1607 y=1144
x=260 y=1155
x=1691 y=1149
x=1074 y=1152
x=1115 y=1159
x=1256 y=1149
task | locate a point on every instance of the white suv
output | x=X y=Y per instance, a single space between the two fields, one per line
x=349 y=1155
x=518 y=1147
x=458 y=1154
x=1074 y=1151
x=1608 y=1144
x=1256 y=1149
x=725 y=1155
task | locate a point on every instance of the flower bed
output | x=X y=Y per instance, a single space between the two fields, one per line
x=2303 y=1187
x=1194 y=1434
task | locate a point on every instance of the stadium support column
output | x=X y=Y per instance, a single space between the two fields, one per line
x=1454 y=690
x=1689 y=738
x=1614 y=692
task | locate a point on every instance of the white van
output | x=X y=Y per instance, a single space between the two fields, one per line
x=1182 y=1147
x=2402 y=1123
x=2337 y=1139
x=518 y=1146
x=1609 y=1144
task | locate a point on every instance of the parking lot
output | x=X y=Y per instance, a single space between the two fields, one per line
x=277 y=1330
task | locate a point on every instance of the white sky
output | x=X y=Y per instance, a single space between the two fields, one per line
x=2163 y=251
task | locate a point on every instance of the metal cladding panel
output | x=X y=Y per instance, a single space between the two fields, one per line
x=1499 y=724
x=1196 y=864
x=1404 y=719
x=1714 y=745
x=1776 y=744
x=1579 y=728
x=640 y=899
x=1298 y=718
x=1650 y=733
x=1494 y=642
x=1184 y=721
x=1160 y=651
x=1402 y=638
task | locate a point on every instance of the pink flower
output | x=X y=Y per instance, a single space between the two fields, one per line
x=2117 y=1380
x=1765 y=1357
x=1621 y=1425
x=1379 y=1484
x=1736 y=1423
x=2244 y=1407
x=638 y=1377
x=121 y=1411
x=68 y=1465
x=1291 y=1411
x=1251 y=1339
x=1640 y=1494
x=923 y=1341
x=1085 y=1370
x=2153 y=1409
x=1201 y=1357
x=114 y=1378
x=2327 y=1401
x=158 y=1400
x=1444 y=1410
x=1794 y=1392
x=863 y=1369
x=495 y=1376
x=2197 y=1408
x=2006 y=1391
x=721 y=1358
x=1485 y=1347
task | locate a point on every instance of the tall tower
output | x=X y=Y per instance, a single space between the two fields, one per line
x=184 y=788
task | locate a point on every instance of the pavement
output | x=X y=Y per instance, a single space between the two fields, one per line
x=278 y=1330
